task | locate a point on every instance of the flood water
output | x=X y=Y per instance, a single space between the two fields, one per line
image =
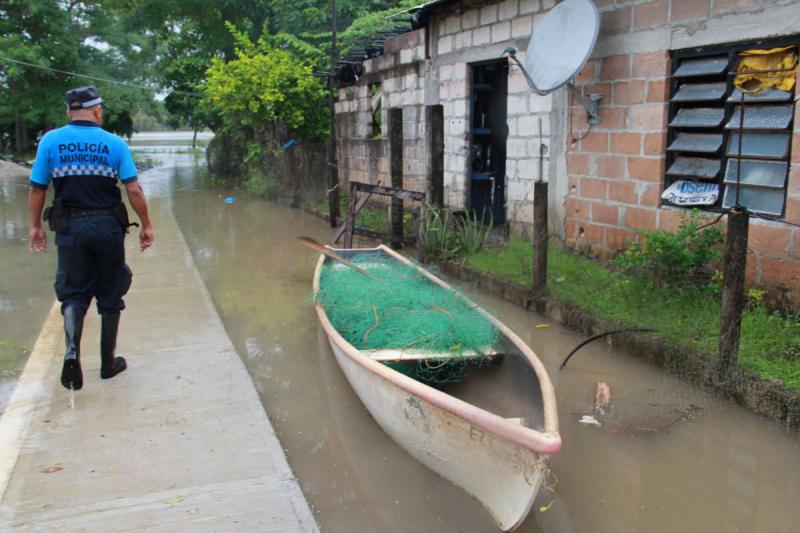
x=26 y=282
x=716 y=468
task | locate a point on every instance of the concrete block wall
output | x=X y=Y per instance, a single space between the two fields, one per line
x=480 y=33
x=615 y=172
x=400 y=71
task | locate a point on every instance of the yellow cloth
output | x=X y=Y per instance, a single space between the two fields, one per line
x=775 y=58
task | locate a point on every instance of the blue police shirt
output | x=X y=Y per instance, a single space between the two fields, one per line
x=84 y=162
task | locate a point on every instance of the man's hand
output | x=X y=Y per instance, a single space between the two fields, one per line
x=146 y=237
x=37 y=240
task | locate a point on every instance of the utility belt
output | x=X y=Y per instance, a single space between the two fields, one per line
x=58 y=215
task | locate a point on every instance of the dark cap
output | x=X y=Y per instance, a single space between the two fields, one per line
x=83 y=98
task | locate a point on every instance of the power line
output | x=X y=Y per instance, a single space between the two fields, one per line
x=95 y=78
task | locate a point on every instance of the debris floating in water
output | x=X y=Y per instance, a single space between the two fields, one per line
x=589 y=420
x=229 y=200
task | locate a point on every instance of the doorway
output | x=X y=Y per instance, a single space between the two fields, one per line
x=488 y=133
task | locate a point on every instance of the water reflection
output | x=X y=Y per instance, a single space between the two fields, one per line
x=26 y=282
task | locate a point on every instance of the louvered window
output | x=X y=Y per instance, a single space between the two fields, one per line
x=703 y=161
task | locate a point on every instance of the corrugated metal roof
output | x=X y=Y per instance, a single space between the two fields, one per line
x=421 y=6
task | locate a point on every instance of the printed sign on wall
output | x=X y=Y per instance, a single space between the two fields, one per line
x=691 y=193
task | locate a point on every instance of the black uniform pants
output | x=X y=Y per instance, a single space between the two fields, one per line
x=91 y=263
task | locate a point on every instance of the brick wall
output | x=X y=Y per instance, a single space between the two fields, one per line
x=616 y=170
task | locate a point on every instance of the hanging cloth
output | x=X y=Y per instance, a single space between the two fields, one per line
x=772 y=59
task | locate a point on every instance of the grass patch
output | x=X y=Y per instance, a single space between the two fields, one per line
x=371 y=218
x=261 y=183
x=685 y=316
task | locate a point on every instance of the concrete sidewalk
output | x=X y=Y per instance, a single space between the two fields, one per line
x=178 y=442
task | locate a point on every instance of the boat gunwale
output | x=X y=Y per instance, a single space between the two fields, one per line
x=544 y=442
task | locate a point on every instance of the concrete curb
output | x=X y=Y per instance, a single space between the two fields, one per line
x=31 y=388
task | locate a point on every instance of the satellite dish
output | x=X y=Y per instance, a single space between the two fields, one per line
x=561 y=44
x=559 y=48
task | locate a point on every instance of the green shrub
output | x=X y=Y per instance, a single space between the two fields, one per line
x=261 y=183
x=678 y=258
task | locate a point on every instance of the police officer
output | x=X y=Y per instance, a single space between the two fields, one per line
x=84 y=163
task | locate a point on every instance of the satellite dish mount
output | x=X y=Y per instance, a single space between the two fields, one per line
x=559 y=48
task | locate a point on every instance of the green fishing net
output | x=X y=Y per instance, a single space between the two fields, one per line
x=401 y=309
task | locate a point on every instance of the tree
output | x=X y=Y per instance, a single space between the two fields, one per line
x=266 y=85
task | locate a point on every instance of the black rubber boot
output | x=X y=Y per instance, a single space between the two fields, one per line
x=110 y=366
x=71 y=375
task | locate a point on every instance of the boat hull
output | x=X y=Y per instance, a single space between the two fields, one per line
x=503 y=476
x=496 y=460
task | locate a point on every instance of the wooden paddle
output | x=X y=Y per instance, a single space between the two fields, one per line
x=311 y=243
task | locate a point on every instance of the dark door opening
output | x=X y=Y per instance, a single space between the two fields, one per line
x=488 y=132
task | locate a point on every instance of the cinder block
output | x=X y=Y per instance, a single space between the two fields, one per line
x=459 y=108
x=457 y=126
x=530 y=6
x=458 y=89
x=452 y=24
x=445 y=72
x=508 y=9
x=406 y=56
x=517 y=105
x=511 y=122
x=488 y=14
x=501 y=32
x=517 y=83
x=541 y=104
x=463 y=40
x=444 y=91
x=445 y=45
x=460 y=71
x=516 y=148
x=469 y=19
x=481 y=35
x=521 y=27
x=529 y=127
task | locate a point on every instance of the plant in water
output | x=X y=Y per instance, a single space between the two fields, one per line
x=679 y=258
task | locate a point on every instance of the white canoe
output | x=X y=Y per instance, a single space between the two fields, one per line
x=491 y=434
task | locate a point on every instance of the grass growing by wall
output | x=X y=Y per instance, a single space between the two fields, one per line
x=261 y=183
x=684 y=315
x=371 y=218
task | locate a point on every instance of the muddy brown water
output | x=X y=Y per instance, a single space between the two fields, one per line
x=26 y=281
x=668 y=457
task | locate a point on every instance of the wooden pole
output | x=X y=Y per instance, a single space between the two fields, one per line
x=350 y=220
x=539 y=237
x=434 y=119
x=333 y=169
x=540 y=230
x=733 y=297
x=396 y=171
